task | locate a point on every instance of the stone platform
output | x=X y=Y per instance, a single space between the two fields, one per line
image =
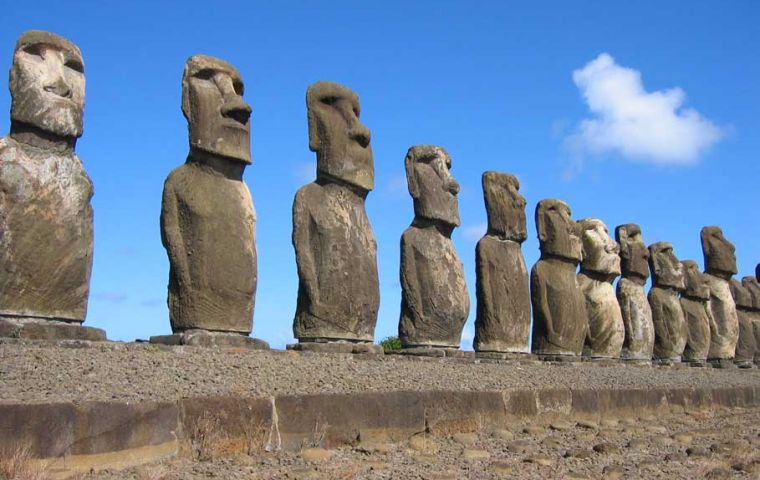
x=49 y=330
x=201 y=338
x=337 y=347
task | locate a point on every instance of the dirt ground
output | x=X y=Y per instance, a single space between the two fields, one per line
x=709 y=445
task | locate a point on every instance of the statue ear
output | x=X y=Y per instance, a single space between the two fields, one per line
x=411 y=175
x=541 y=214
x=314 y=136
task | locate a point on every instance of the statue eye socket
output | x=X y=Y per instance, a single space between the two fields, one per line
x=205 y=74
x=35 y=49
x=75 y=65
x=330 y=100
x=238 y=86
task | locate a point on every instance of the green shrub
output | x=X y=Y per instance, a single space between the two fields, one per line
x=390 y=344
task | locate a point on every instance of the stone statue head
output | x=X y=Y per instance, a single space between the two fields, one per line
x=742 y=295
x=505 y=206
x=338 y=137
x=217 y=115
x=558 y=234
x=600 y=253
x=47 y=84
x=753 y=285
x=634 y=254
x=431 y=185
x=720 y=254
x=666 y=269
x=697 y=285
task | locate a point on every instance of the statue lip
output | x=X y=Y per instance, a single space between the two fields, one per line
x=232 y=123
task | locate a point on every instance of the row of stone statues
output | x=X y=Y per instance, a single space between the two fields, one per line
x=208 y=230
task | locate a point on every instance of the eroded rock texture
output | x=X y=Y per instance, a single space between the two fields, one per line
x=695 y=303
x=336 y=252
x=746 y=345
x=503 y=313
x=434 y=298
x=207 y=215
x=634 y=306
x=670 y=331
x=559 y=310
x=46 y=235
x=720 y=265
x=753 y=285
x=600 y=265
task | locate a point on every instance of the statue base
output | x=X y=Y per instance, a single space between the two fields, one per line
x=337 y=346
x=204 y=338
x=721 y=362
x=430 y=351
x=43 y=329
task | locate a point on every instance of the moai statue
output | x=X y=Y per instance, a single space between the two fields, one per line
x=753 y=284
x=634 y=306
x=207 y=216
x=720 y=265
x=46 y=234
x=434 y=298
x=746 y=345
x=669 y=323
x=600 y=265
x=695 y=303
x=559 y=308
x=502 y=323
x=336 y=253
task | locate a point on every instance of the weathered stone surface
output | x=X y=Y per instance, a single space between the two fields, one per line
x=667 y=315
x=45 y=212
x=337 y=347
x=49 y=330
x=753 y=284
x=634 y=306
x=697 y=314
x=600 y=265
x=336 y=252
x=502 y=323
x=434 y=298
x=207 y=215
x=559 y=310
x=720 y=265
x=745 y=346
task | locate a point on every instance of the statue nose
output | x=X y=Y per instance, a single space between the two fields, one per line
x=453 y=186
x=59 y=87
x=237 y=109
x=360 y=133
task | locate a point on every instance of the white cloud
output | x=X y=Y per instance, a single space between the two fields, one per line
x=640 y=125
x=474 y=233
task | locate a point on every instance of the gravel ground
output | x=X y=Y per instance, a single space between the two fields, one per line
x=704 y=445
x=33 y=371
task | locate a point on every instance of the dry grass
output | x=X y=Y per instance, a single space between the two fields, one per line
x=206 y=437
x=16 y=464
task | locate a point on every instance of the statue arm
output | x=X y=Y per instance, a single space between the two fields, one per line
x=540 y=301
x=171 y=235
x=302 y=243
x=409 y=280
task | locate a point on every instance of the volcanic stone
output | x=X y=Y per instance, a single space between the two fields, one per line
x=336 y=252
x=46 y=234
x=634 y=306
x=753 y=285
x=745 y=346
x=600 y=265
x=559 y=310
x=434 y=298
x=207 y=215
x=502 y=323
x=720 y=265
x=697 y=314
x=667 y=315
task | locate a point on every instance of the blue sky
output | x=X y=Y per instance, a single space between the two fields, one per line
x=492 y=82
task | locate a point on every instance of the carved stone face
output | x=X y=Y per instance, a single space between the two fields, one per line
x=634 y=253
x=697 y=285
x=753 y=285
x=742 y=296
x=666 y=269
x=505 y=206
x=217 y=115
x=558 y=234
x=600 y=252
x=340 y=140
x=47 y=84
x=720 y=254
x=431 y=185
